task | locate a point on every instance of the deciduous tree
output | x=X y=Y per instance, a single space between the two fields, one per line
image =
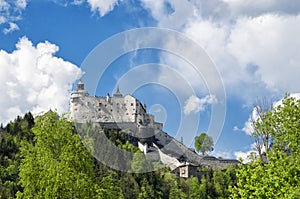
x=279 y=177
x=57 y=165
x=204 y=143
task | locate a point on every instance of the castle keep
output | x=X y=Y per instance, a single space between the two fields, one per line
x=126 y=112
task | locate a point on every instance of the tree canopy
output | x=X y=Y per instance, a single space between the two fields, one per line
x=204 y=143
x=279 y=176
x=44 y=157
x=57 y=165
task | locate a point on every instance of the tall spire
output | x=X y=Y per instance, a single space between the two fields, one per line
x=118 y=93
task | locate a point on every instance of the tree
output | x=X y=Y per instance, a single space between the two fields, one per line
x=139 y=163
x=11 y=137
x=110 y=187
x=262 y=137
x=204 y=143
x=279 y=177
x=147 y=191
x=57 y=165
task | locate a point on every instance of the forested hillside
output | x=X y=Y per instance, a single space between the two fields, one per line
x=44 y=157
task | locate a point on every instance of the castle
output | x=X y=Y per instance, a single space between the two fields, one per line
x=126 y=112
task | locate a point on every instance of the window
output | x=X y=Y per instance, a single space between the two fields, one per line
x=131 y=104
x=100 y=104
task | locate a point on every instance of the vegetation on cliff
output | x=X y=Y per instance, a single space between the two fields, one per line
x=44 y=157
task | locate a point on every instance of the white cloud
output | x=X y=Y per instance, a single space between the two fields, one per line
x=270 y=43
x=222 y=154
x=259 y=7
x=78 y=2
x=243 y=155
x=236 y=128
x=10 y=13
x=253 y=44
x=248 y=126
x=103 y=7
x=194 y=104
x=170 y=13
x=21 y=4
x=12 y=27
x=33 y=79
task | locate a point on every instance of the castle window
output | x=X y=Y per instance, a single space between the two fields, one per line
x=131 y=104
x=100 y=104
x=111 y=110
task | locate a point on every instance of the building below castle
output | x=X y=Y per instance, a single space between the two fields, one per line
x=126 y=112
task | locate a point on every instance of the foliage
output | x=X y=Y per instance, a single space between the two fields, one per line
x=110 y=187
x=261 y=136
x=57 y=165
x=11 y=137
x=279 y=177
x=204 y=143
x=54 y=163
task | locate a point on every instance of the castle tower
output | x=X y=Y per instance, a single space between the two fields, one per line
x=80 y=85
x=118 y=93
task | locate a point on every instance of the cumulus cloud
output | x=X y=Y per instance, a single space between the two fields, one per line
x=254 y=44
x=259 y=7
x=33 y=79
x=194 y=104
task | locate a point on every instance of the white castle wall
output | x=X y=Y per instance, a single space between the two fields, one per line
x=116 y=108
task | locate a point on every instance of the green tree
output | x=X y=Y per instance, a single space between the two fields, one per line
x=279 y=176
x=139 y=163
x=57 y=165
x=110 y=187
x=147 y=191
x=204 y=143
x=11 y=137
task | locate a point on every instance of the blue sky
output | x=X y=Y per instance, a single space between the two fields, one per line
x=254 y=45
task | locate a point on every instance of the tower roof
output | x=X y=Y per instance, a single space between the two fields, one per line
x=80 y=85
x=118 y=93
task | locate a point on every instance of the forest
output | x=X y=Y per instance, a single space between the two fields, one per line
x=44 y=157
